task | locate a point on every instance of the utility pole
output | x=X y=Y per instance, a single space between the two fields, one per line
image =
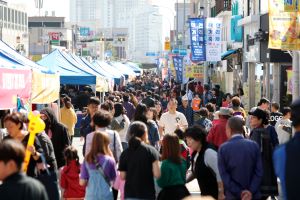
x=206 y=68
x=183 y=28
x=176 y=23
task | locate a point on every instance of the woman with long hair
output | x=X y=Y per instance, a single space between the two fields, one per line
x=68 y=116
x=173 y=170
x=99 y=169
x=139 y=164
x=120 y=123
x=141 y=115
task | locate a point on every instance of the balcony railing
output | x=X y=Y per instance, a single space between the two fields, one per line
x=223 y=5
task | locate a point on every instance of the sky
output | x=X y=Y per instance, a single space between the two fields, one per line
x=61 y=7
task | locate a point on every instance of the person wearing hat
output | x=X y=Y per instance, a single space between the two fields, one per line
x=286 y=159
x=186 y=110
x=266 y=138
x=217 y=134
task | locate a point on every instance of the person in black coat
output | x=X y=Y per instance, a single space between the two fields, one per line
x=58 y=134
x=15 y=184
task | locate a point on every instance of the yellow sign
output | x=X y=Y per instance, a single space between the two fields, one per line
x=45 y=88
x=167 y=46
x=289 y=87
x=284 y=27
x=101 y=84
x=194 y=71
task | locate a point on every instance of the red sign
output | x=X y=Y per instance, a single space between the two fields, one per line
x=14 y=83
x=54 y=35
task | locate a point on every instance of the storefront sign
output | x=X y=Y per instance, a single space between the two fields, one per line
x=14 y=83
x=213 y=37
x=54 y=38
x=197 y=31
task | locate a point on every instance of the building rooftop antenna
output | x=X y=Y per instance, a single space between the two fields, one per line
x=39 y=5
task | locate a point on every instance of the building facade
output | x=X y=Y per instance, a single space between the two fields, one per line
x=13 y=26
x=48 y=32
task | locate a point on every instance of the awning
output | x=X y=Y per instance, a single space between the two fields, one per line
x=228 y=53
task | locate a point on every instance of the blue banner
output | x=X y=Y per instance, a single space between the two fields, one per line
x=236 y=31
x=197 y=32
x=178 y=65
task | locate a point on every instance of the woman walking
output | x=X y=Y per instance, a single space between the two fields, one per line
x=139 y=164
x=68 y=116
x=204 y=163
x=99 y=169
x=173 y=170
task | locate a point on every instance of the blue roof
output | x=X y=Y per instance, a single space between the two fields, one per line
x=20 y=61
x=70 y=71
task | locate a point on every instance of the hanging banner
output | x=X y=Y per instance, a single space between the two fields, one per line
x=45 y=88
x=101 y=84
x=284 y=27
x=197 y=39
x=13 y=84
x=194 y=71
x=178 y=65
x=172 y=71
x=213 y=39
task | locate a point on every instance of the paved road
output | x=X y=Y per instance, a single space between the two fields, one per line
x=192 y=186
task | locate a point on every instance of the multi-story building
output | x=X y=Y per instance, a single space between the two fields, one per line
x=46 y=32
x=13 y=26
x=143 y=22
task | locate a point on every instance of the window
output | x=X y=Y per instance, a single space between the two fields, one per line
x=8 y=15
x=1 y=13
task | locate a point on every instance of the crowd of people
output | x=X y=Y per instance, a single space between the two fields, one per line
x=149 y=139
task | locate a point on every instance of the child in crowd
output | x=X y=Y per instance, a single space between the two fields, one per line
x=70 y=176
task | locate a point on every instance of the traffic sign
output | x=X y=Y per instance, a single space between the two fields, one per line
x=167 y=46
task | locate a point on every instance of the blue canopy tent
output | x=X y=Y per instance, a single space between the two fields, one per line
x=124 y=69
x=69 y=71
x=108 y=69
x=135 y=67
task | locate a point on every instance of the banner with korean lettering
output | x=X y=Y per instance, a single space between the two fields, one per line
x=197 y=33
x=178 y=65
x=194 y=71
x=45 y=88
x=213 y=32
x=14 y=83
x=291 y=5
x=284 y=28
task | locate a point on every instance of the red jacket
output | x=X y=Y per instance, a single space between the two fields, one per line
x=217 y=134
x=70 y=181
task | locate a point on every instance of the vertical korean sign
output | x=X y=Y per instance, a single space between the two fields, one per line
x=178 y=64
x=197 y=39
x=14 y=83
x=213 y=39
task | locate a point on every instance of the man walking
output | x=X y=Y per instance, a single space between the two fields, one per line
x=186 y=110
x=172 y=119
x=240 y=163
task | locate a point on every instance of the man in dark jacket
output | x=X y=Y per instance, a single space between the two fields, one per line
x=85 y=125
x=16 y=185
x=286 y=159
x=58 y=134
x=186 y=110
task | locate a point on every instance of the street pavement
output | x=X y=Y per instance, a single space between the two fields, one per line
x=192 y=186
